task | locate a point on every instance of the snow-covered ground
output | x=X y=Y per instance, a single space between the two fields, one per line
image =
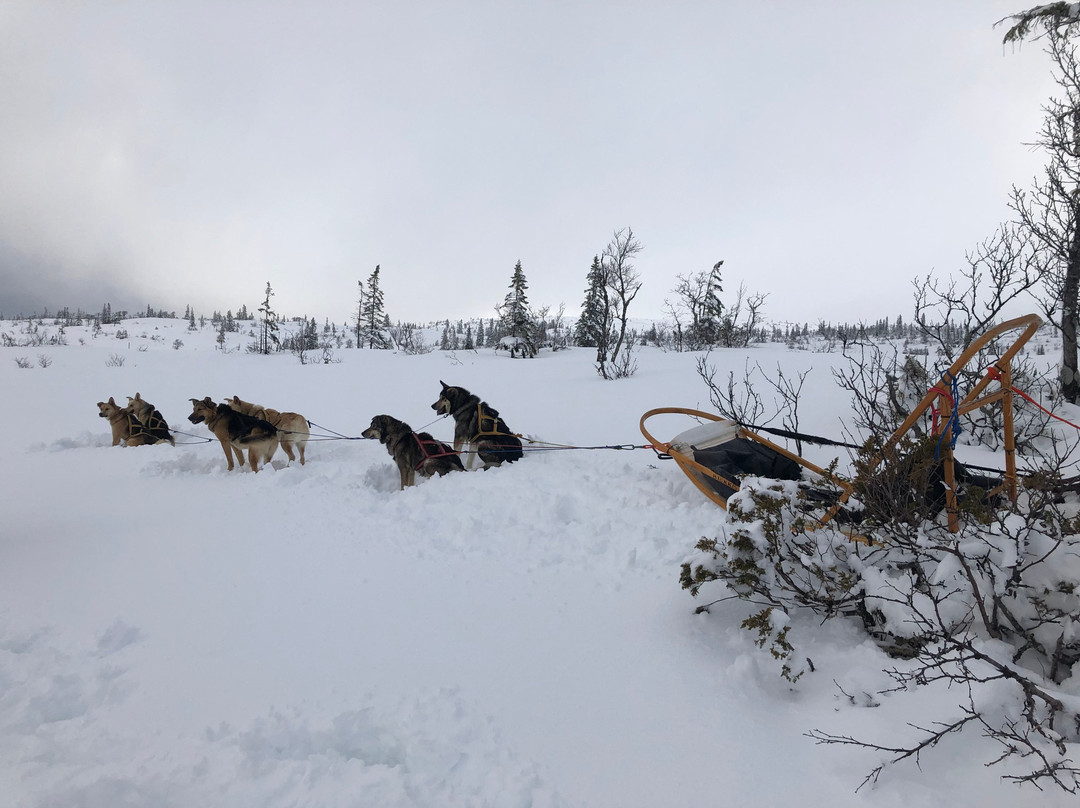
x=173 y=634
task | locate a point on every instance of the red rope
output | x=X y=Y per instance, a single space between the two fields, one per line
x=995 y=373
x=936 y=411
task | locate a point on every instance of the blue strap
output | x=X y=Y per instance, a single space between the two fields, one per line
x=953 y=424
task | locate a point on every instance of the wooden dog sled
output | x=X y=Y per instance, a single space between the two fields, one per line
x=717 y=453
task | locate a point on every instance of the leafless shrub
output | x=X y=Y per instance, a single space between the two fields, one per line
x=624 y=365
x=409 y=339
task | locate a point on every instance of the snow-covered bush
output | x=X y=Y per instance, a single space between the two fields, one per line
x=990 y=611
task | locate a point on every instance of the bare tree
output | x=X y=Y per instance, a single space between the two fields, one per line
x=697 y=297
x=736 y=334
x=622 y=283
x=678 y=333
x=884 y=387
x=1049 y=214
x=951 y=313
x=740 y=401
x=1000 y=270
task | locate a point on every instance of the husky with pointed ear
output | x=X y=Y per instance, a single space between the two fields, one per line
x=236 y=432
x=413 y=452
x=478 y=425
x=151 y=419
x=127 y=430
x=293 y=428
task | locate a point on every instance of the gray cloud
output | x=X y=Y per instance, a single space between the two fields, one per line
x=29 y=286
x=191 y=152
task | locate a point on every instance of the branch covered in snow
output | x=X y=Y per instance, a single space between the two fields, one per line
x=1026 y=24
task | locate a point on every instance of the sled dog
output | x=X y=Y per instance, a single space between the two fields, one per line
x=477 y=424
x=292 y=427
x=150 y=418
x=127 y=430
x=413 y=452
x=236 y=432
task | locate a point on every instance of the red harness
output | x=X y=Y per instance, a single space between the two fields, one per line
x=428 y=455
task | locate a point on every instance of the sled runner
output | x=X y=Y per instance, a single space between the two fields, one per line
x=717 y=453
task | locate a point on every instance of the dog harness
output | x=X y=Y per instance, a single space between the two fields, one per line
x=429 y=455
x=136 y=427
x=156 y=423
x=493 y=420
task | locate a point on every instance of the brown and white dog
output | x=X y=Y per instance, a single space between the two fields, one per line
x=236 y=432
x=151 y=419
x=127 y=430
x=293 y=428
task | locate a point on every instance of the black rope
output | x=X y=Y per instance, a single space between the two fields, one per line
x=198 y=438
x=802 y=436
x=829 y=442
x=337 y=435
x=614 y=446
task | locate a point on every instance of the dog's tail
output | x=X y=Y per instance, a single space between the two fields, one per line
x=259 y=433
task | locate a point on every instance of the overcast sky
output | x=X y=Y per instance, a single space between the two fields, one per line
x=179 y=152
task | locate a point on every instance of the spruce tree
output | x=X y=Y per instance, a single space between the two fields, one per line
x=517 y=320
x=373 y=315
x=359 y=316
x=310 y=336
x=592 y=325
x=268 y=336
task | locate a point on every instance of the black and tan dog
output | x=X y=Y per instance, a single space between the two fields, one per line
x=293 y=428
x=413 y=452
x=151 y=419
x=127 y=430
x=236 y=432
x=477 y=425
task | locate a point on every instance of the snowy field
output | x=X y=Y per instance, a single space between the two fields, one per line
x=173 y=634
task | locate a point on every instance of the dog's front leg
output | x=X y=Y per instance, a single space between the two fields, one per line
x=228 y=447
x=471 y=453
x=461 y=447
